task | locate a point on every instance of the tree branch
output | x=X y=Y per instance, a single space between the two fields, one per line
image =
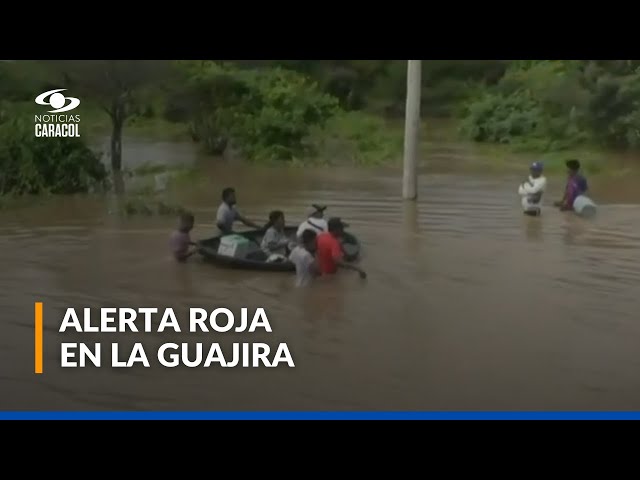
x=107 y=109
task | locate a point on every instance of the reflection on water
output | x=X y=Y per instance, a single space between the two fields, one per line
x=533 y=228
x=411 y=227
x=468 y=305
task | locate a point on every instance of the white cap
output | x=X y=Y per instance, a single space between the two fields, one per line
x=313 y=209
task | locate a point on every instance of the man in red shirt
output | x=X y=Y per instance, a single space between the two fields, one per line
x=329 y=253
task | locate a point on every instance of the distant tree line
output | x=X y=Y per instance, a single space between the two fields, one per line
x=269 y=109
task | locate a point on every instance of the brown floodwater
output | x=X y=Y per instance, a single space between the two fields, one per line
x=468 y=305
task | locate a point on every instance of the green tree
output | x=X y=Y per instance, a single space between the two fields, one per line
x=265 y=113
x=30 y=165
x=114 y=85
x=551 y=104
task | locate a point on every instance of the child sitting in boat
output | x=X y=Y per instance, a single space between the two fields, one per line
x=180 y=241
x=275 y=243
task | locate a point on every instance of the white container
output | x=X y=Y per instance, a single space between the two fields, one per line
x=235 y=246
x=584 y=206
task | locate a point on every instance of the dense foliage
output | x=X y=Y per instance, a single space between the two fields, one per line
x=30 y=165
x=287 y=109
x=295 y=110
x=546 y=105
x=266 y=114
x=550 y=105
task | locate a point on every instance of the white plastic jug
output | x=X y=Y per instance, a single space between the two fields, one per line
x=584 y=207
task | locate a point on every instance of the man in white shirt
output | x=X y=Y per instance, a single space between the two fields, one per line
x=228 y=213
x=314 y=221
x=532 y=190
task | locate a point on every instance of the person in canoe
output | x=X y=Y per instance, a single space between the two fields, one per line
x=228 y=213
x=180 y=240
x=302 y=256
x=329 y=252
x=275 y=243
x=315 y=221
x=532 y=190
x=576 y=186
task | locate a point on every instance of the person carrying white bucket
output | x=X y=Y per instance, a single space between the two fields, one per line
x=532 y=190
x=575 y=198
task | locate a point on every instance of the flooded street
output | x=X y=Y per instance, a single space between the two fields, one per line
x=468 y=305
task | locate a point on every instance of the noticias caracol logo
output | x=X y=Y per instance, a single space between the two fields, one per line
x=57 y=125
x=57 y=101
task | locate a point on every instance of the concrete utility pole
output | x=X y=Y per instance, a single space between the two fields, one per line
x=412 y=130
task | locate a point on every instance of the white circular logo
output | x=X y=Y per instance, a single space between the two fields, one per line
x=57 y=101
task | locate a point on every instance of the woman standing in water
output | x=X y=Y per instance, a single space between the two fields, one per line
x=576 y=186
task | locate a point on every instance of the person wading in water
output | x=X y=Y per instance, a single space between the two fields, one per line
x=329 y=252
x=228 y=213
x=532 y=190
x=576 y=186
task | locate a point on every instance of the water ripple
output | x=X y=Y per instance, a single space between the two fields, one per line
x=466 y=300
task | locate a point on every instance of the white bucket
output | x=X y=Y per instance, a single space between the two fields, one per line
x=584 y=207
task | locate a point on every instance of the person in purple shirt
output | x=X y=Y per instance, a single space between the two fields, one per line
x=180 y=241
x=576 y=186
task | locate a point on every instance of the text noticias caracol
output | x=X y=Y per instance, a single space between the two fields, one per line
x=144 y=320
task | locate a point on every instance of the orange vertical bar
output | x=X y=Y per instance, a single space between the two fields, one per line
x=38 y=337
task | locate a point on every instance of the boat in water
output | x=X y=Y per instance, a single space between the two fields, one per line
x=210 y=250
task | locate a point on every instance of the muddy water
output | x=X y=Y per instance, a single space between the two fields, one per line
x=468 y=305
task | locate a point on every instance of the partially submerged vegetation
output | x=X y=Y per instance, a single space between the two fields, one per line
x=144 y=205
x=550 y=106
x=314 y=112
x=32 y=166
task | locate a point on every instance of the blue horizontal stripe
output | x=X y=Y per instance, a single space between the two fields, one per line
x=32 y=415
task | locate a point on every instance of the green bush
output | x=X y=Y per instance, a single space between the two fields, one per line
x=30 y=165
x=550 y=105
x=499 y=118
x=446 y=84
x=266 y=113
x=614 y=111
x=23 y=80
x=358 y=138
